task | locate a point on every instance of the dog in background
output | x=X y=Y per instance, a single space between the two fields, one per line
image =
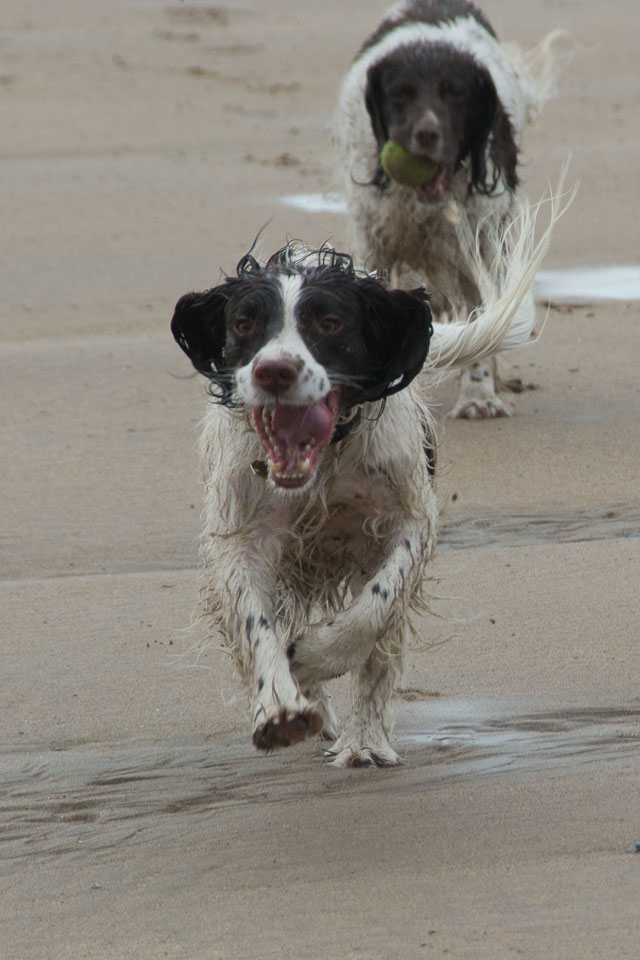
x=320 y=513
x=434 y=79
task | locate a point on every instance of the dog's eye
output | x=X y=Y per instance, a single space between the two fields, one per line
x=454 y=92
x=244 y=326
x=327 y=325
x=401 y=94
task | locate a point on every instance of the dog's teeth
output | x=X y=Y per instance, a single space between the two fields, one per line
x=266 y=424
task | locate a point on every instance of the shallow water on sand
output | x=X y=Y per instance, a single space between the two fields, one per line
x=316 y=202
x=586 y=284
x=621 y=521
x=84 y=799
x=490 y=737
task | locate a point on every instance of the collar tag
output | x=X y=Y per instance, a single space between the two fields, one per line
x=260 y=469
x=345 y=424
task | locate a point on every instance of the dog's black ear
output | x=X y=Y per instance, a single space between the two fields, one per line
x=397 y=331
x=503 y=150
x=489 y=120
x=373 y=99
x=199 y=328
x=198 y=325
x=482 y=111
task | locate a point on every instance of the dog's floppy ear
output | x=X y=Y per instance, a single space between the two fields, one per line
x=489 y=120
x=503 y=150
x=199 y=328
x=373 y=98
x=397 y=331
x=482 y=111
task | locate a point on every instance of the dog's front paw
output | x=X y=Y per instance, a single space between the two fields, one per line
x=283 y=727
x=480 y=409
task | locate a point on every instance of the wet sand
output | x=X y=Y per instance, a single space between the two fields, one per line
x=144 y=146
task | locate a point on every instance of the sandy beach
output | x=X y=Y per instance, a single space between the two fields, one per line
x=145 y=143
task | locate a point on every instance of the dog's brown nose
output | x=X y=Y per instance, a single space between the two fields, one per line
x=427 y=132
x=274 y=376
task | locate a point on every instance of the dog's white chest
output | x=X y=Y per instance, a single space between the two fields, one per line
x=360 y=513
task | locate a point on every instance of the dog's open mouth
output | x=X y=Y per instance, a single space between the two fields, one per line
x=433 y=190
x=293 y=437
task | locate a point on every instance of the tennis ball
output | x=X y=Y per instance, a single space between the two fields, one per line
x=404 y=167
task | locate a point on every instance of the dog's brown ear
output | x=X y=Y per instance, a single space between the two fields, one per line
x=397 y=331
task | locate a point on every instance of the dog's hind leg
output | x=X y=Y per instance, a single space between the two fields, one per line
x=478 y=398
x=364 y=741
x=320 y=700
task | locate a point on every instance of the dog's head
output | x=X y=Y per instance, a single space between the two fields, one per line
x=301 y=341
x=441 y=106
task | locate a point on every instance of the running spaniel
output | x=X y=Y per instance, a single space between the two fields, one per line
x=318 y=454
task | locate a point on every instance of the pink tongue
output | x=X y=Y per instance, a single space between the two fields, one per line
x=300 y=425
x=435 y=189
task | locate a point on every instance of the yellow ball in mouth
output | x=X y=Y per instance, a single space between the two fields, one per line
x=404 y=167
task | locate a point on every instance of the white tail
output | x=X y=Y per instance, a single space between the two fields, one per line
x=541 y=66
x=506 y=316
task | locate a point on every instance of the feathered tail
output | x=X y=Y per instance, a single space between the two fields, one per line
x=506 y=316
x=540 y=68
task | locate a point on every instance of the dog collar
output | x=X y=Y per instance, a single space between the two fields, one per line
x=259 y=469
x=345 y=424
